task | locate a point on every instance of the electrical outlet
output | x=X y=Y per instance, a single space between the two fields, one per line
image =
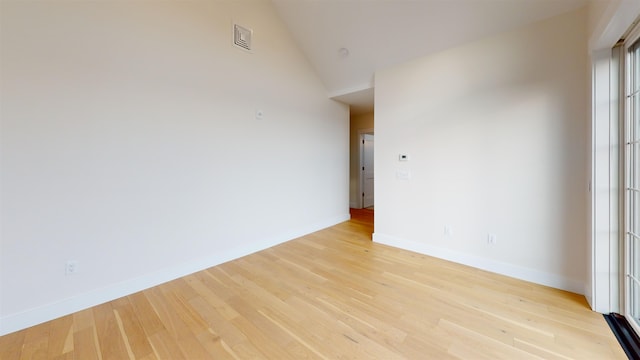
x=491 y=239
x=71 y=267
x=448 y=232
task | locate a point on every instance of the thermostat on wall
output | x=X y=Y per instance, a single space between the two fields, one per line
x=403 y=157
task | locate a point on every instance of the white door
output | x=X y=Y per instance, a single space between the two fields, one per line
x=367 y=170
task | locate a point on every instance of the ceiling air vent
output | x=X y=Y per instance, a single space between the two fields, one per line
x=242 y=37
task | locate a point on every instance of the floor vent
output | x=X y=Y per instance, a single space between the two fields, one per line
x=242 y=37
x=625 y=334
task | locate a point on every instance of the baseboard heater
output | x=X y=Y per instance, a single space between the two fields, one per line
x=625 y=334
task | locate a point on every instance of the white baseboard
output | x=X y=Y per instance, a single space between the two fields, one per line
x=38 y=315
x=518 y=272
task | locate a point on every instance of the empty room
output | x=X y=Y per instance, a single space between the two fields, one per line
x=325 y=179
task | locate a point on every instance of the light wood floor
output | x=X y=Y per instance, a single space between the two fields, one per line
x=330 y=295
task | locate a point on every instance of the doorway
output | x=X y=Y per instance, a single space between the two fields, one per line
x=367 y=169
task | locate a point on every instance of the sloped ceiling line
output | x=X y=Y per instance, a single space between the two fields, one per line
x=383 y=33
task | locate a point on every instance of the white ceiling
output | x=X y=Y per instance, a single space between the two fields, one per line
x=382 y=33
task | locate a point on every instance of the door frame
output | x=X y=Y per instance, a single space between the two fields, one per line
x=361 y=134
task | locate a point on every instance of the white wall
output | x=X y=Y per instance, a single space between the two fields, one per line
x=130 y=144
x=357 y=123
x=496 y=131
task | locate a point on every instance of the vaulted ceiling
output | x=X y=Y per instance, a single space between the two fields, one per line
x=347 y=41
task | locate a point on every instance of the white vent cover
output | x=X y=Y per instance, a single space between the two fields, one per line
x=242 y=37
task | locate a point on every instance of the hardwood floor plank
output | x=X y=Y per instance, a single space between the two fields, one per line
x=243 y=351
x=218 y=304
x=427 y=347
x=165 y=347
x=468 y=341
x=177 y=322
x=60 y=337
x=131 y=330
x=262 y=341
x=147 y=316
x=303 y=343
x=11 y=345
x=83 y=319
x=85 y=344
x=218 y=324
x=36 y=342
x=112 y=345
x=213 y=345
x=331 y=294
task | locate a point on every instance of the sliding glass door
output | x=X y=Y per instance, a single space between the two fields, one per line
x=632 y=182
